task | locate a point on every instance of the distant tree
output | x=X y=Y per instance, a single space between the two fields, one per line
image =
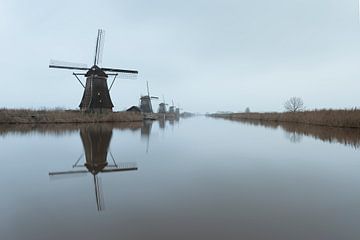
x=247 y=110
x=294 y=104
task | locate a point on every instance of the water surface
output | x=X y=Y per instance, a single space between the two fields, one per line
x=197 y=178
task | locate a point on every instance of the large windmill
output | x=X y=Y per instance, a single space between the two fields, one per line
x=96 y=97
x=145 y=101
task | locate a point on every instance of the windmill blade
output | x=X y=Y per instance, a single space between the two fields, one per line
x=122 y=167
x=154 y=97
x=122 y=73
x=98 y=193
x=119 y=70
x=67 y=65
x=99 y=47
x=67 y=172
x=119 y=170
x=66 y=176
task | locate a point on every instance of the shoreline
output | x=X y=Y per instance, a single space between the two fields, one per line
x=327 y=118
x=26 y=116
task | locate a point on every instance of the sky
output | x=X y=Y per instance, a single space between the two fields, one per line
x=206 y=56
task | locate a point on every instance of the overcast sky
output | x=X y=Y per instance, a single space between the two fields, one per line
x=206 y=55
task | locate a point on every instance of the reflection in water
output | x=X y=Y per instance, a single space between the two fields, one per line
x=145 y=132
x=295 y=132
x=162 y=123
x=58 y=129
x=305 y=191
x=96 y=140
x=294 y=137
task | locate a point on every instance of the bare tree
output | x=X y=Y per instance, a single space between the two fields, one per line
x=294 y=104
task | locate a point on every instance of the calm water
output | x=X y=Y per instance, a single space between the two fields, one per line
x=199 y=178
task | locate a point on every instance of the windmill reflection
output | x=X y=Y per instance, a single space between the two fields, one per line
x=96 y=140
x=162 y=123
x=145 y=132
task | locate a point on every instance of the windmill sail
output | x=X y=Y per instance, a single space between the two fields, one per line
x=99 y=47
x=67 y=65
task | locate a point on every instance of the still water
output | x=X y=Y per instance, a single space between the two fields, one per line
x=197 y=178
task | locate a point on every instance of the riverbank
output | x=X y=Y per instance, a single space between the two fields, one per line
x=329 y=118
x=25 y=116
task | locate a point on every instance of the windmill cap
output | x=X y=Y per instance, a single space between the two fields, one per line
x=95 y=70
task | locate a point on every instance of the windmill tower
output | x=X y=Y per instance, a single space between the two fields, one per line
x=177 y=111
x=96 y=140
x=96 y=96
x=145 y=101
x=172 y=107
x=162 y=107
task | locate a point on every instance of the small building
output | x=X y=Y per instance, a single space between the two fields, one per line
x=134 y=109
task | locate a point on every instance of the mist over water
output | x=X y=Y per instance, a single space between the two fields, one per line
x=197 y=178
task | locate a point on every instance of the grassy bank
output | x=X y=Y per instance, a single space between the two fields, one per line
x=25 y=116
x=330 y=118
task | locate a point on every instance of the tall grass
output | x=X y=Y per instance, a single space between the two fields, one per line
x=331 y=118
x=14 y=116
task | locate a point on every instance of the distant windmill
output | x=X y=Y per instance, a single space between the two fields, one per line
x=145 y=101
x=96 y=97
x=172 y=107
x=177 y=111
x=162 y=107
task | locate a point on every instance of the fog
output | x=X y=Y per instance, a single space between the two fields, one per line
x=205 y=55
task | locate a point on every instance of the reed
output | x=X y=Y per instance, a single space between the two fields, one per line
x=29 y=116
x=349 y=118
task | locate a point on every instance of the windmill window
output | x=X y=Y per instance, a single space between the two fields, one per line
x=98 y=93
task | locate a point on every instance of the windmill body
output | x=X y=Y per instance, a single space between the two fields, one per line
x=145 y=104
x=171 y=109
x=96 y=96
x=145 y=101
x=162 y=107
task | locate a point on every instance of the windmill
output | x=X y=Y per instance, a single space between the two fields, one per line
x=172 y=107
x=96 y=96
x=177 y=111
x=96 y=140
x=145 y=101
x=162 y=107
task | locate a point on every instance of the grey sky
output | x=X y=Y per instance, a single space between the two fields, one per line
x=206 y=55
